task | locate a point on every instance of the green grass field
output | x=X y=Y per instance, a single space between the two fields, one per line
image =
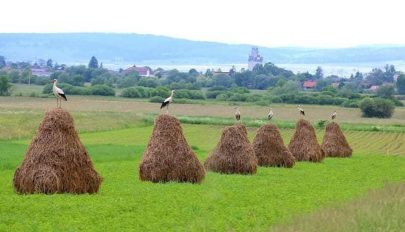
x=273 y=199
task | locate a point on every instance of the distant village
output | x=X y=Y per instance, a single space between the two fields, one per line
x=368 y=82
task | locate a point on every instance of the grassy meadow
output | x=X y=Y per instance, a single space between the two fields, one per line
x=364 y=192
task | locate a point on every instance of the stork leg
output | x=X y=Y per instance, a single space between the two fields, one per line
x=167 y=109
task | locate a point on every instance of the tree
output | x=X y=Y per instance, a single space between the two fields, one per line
x=5 y=87
x=193 y=72
x=93 y=62
x=401 y=84
x=375 y=77
x=385 y=91
x=2 y=61
x=49 y=63
x=319 y=73
x=389 y=73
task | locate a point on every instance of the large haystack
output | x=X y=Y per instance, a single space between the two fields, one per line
x=303 y=144
x=56 y=160
x=234 y=153
x=334 y=142
x=270 y=149
x=168 y=156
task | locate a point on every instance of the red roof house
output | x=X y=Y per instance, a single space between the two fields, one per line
x=143 y=71
x=309 y=84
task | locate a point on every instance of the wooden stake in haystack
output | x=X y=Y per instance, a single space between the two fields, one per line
x=233 y=154
x=168 y=156
x=270 y=149
x=56 y=160
x=334 y=142
x=304 y=145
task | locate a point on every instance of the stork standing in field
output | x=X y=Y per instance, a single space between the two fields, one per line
x=270 y=115
x=302 y=112
x=333 y=116
x=167 y=102
x=237 y=114
x=59 y=94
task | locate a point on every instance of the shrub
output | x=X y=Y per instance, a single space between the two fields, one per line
x=5 y=87
x=131 y=92
x=350 y=103
x=156 y=99
x=377 y=107
x=189 y=94
x=103 y=90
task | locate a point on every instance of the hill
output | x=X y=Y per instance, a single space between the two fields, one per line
x=71 y=48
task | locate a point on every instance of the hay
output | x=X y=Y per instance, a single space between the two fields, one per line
x=270 y=149
x=303 y=144
x=168 y=156
x=56 y=160
x=334 y=142
x=233 y=154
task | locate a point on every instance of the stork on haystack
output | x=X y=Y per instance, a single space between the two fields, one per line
x=302 y=112
x=237 y=114
x=59 y=94
x=167 y=102
x=333 y=116
x=270 y=114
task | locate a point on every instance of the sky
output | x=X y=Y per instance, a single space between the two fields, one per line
x=281 y=23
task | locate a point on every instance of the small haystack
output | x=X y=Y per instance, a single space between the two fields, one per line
x=168 y=156
x=233 y=154
x=334 y=142
x=56 y=160
x=270 y=149
x=303 y=144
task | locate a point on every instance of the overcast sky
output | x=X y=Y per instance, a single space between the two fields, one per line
x=304 y=23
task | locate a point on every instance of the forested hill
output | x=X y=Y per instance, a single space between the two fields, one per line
x=134 y=48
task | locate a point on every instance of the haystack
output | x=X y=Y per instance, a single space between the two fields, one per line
x=56 y=160
x=303 y=144
x=233 y=153
x=334 y=142
x=168 y=156
x=270 y=149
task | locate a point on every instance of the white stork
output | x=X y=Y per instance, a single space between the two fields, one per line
x=270 y=115
x=237 y=114
x=167 y=102
x=302 y=112
x=59 y=94
x=333 y=116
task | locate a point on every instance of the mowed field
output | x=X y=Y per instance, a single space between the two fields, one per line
x=274 y=199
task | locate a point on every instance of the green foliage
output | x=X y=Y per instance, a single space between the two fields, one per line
x=156 y=99
x=144 y=92
x=289 y=88
x=5 y=86
x=148 y=82
x=93 y=63
x=377 y=107
x=102 y=90
x=350 y=103
x=189 y=94
x=385 y=91
x=401 y=84
x=2 y=62
x=129 y=80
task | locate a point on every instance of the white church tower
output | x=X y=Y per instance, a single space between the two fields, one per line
x=254 y=58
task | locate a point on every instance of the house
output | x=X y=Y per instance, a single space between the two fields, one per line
x=41 y=72
x=309 y=84
x=373 y=88
x=144 y=71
